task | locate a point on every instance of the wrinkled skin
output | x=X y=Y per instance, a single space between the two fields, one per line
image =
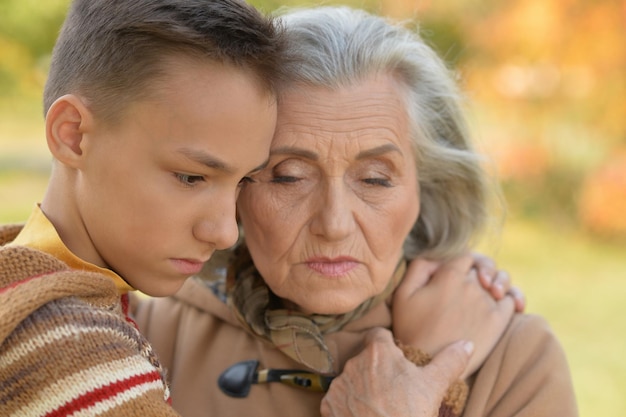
x=364 y=389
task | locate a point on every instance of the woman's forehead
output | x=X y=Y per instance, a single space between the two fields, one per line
x=368 y=114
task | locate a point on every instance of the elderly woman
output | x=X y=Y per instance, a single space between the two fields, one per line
x=370 y=166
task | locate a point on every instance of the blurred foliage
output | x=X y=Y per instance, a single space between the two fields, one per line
x=546 y=87
x=27 y=35
x=32 y=25
x=546 y=82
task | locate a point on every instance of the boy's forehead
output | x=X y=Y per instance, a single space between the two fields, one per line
x=207 y=115
x=180 y=66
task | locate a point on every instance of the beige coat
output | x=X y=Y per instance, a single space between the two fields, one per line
x=197 y=338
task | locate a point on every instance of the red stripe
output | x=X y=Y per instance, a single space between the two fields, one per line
x=24 y=281
x=100 y=394
x=125 y=300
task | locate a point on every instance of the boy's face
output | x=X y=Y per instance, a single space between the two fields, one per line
x=156 y=196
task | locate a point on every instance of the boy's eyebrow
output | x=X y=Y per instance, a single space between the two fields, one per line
x=206 y=159
x=210 y=161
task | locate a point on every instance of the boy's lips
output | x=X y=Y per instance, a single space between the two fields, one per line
x=187 y=266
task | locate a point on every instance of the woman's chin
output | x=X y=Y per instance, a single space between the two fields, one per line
x=326 y=308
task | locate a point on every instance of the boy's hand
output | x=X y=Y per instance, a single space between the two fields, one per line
x=436 y=305
x=497 y=282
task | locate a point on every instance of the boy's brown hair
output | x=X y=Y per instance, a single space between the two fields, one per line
x=109 y=52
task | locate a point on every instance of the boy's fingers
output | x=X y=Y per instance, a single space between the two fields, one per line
x=507 y=305
x=519 y=299
x=501 y=284
x=486 y=268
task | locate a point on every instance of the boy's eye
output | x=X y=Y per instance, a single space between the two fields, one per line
x=188 y=180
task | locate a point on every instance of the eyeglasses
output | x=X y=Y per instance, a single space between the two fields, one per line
x=237 y=379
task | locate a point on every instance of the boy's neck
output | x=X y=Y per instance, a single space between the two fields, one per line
x=60 y=207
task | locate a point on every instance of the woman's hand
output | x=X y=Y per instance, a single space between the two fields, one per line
x=437 y=304
x=380 y=382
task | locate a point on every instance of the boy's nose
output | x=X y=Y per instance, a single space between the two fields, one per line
x=219 y=227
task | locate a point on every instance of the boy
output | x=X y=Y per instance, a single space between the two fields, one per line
x=156 y=110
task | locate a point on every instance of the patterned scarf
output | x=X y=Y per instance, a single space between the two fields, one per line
x=298 y=335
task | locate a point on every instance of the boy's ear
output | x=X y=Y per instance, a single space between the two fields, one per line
x=66 y=122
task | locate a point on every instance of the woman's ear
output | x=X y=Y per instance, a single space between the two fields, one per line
x=66 y=123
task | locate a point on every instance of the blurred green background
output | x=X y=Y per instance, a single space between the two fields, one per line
x=546 y=88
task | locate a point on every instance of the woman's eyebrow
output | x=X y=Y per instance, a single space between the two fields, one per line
x=292 y=150
x=379 y=150
x=260 y=167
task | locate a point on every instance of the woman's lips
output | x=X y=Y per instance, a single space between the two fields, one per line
x=332 y=267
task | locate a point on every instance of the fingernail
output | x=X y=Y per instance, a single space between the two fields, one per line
x=468 y=347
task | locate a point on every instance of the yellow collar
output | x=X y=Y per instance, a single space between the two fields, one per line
x=39 y=233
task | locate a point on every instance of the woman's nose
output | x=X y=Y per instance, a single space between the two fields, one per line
x=333 y=217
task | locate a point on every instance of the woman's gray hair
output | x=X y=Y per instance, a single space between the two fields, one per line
x=339 y=46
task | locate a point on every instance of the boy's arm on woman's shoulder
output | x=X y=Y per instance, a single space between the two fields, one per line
x=69 y=356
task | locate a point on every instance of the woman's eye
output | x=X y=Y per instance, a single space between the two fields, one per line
x=188 y=180
x=284 y=179
x=289 y=171
x=384 y=182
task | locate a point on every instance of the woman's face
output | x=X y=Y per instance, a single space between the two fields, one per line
x=325 y=222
